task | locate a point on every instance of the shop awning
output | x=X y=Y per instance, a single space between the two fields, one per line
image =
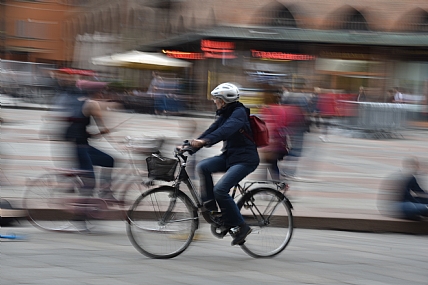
x=298 y=35
x=140 y=60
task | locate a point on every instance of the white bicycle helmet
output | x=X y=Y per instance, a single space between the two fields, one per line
x=226 y=91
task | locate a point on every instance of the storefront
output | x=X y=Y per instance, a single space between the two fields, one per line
x=301 y=59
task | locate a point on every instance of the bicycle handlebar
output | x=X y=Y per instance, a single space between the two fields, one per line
x=186 y=147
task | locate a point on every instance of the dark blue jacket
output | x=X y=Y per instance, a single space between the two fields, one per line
x=411 y=186
x=237 y=148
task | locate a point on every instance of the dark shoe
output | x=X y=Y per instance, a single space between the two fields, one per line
x=240 y=233
x=107 y=195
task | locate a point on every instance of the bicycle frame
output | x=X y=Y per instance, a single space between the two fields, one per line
x=183 y=177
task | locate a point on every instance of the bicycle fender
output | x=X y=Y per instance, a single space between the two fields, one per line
x=288 y=203
x=250 y=192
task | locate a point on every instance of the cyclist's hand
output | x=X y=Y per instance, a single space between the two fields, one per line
x=186 y=147
x=98 y=135
x=105 y=131
x=197 y=143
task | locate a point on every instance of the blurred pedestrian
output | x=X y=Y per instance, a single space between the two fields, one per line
x=313 y=106
x=361 y=97
x=276 y=119
x=390 y=96
x=398 y=96
x=326 y=106
x=296 y=127
x=413 y=200
x=157 y=92
x=285 y=94
x=287 y=126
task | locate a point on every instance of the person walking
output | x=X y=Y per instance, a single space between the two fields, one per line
x=398 y=96
x=327 y=111
x=157 y=91
x=239 y=158
x=361 y=97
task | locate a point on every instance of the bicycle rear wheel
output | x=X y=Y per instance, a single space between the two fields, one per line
x=268 y=213
x=44 y=201
x=162 y=222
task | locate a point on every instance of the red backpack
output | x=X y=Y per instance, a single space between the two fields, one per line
x=259 y=130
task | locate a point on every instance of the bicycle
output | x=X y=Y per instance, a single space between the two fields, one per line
x=53 y=201
x=162 y=221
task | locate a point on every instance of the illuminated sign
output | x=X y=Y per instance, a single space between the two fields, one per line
x=216 y=49
x=211 y=49
x=215 y=46
x=183 y=55
x=219 y=55
x=280 y=55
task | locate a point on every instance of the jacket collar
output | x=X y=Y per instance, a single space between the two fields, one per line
x=229 y=108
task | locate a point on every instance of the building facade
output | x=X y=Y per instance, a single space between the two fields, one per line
x=336 y=44
x=32 y=31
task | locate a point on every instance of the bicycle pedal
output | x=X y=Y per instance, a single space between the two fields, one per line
x=219 y=232
x=215 y=214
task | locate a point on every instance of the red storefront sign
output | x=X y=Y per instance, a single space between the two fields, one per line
x=280 y=55
x=184 y=55
x=217 y=49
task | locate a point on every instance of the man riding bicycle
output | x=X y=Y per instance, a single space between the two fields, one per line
x=239 y=158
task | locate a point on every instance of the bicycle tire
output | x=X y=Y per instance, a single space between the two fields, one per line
x=44 y=202
x=268 y=213
x=159 y=229
x=130 y=193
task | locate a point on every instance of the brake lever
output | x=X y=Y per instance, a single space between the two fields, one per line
x=187 y=147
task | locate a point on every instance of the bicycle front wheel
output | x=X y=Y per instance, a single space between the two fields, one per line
x=162 y=222
x=44 y=201
x=268 y=213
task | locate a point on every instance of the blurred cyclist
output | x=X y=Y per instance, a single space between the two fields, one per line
x=239 y=158
x=84 y=108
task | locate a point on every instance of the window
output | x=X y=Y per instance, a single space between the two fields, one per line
x=282 y=18
x=354 y=21
x=32 y=29
x=421 y=25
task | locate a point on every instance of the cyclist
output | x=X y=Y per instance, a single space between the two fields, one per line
x=85 y=107
x=239 y=158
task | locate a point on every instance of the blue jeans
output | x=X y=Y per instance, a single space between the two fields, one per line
x=413 y=211
x=88 y=156
x=220 y=192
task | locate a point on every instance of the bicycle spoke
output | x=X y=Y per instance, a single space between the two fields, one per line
x=44 y=201
x=270 y=217
x=161 y=223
